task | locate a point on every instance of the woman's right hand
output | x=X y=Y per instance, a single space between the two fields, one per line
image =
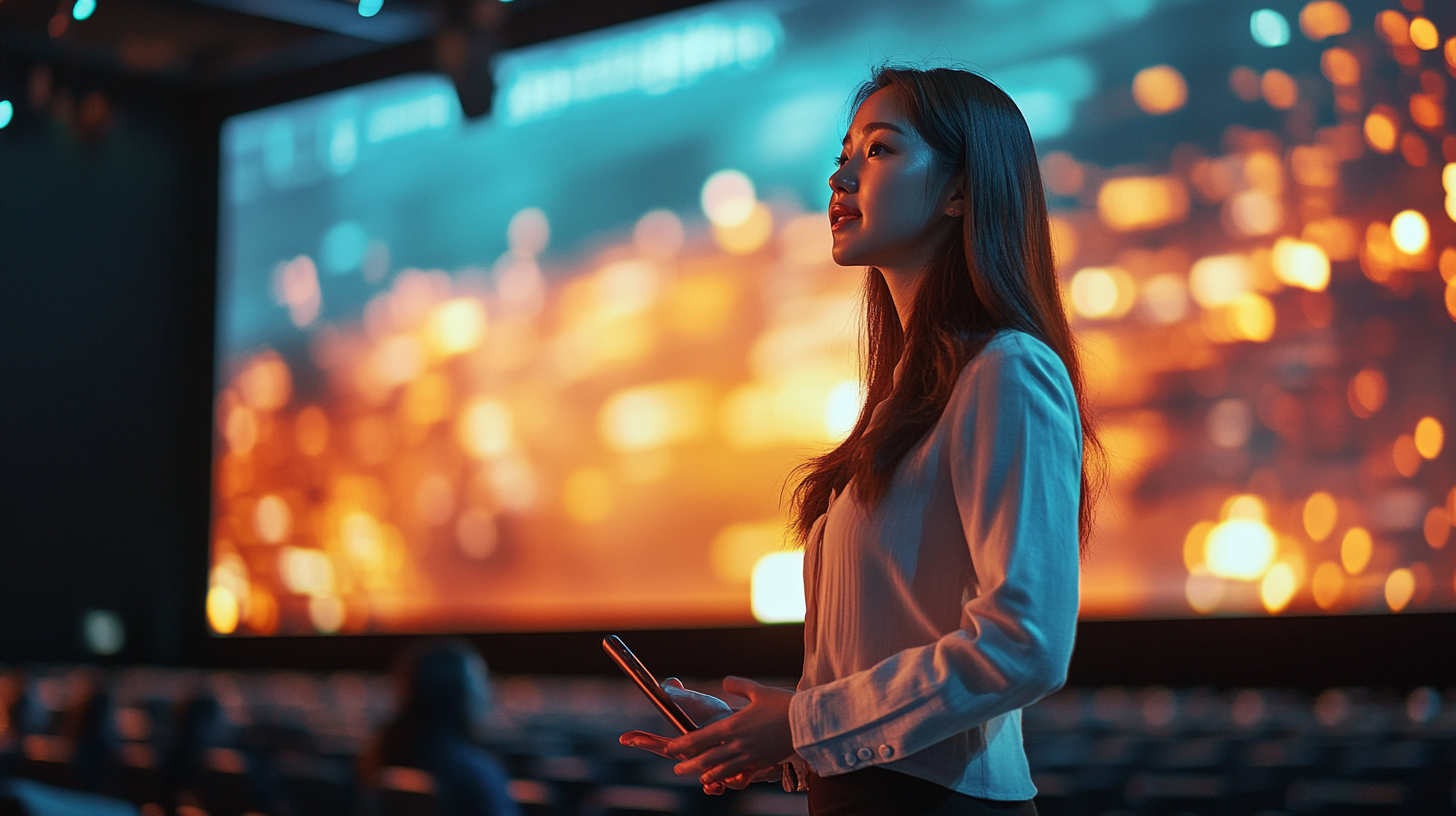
x=701 y=708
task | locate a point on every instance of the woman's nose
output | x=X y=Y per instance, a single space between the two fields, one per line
x=843 y=181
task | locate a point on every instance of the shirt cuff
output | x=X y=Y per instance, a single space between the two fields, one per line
x=810 y=718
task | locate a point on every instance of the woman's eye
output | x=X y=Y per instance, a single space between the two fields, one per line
x=875 y=150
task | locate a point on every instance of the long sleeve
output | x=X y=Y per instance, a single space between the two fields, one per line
x=1013 y=449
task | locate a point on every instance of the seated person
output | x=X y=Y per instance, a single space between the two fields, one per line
x=443 y=698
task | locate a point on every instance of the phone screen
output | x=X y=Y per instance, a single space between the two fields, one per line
x=633 y=668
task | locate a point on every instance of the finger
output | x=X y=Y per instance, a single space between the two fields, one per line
x=674 y=682
x=713 y=765
x=741 y=686
x=645 y=741
x=696 y=742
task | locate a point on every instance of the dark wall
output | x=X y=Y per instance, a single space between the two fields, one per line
x=106 y=279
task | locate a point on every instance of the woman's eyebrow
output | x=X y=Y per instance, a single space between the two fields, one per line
x=871 y=127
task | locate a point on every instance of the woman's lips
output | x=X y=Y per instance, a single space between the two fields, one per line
x=841 y=214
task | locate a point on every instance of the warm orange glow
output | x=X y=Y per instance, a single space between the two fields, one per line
x=1410 y=232
x=1256 y=212
x=728 y=198
x=1194 y=543
x=1244 y=506
x=1451 y=299
x=1447 y=263
x=1423 y=34
x=1414 y=149
x=1159 y=89
x=326 y=613
x=656 y=415
x=1204 y=592
x=272 y=520
x=222 y=610
x=1219 y=280
x=1239 y=548
x=266 y=382
x=1429 y=437
x=1367 y=392
x=1278 y=587
x=1340 y=67
x=427 y=400
x=1142 y=202
x=738 y=547
x=1400 y=586
x=1323 y=18
x=1392 y=27
x=1251 y=317
x=455 y=327
x=746 y=236
x=1450 y=52
x=1279 y=89
x=1437 y=527
x=1320 y=515
x=1297 y=263
x=1103 y=292
x=1427 y=111
x=311 y=429
x=588 y=495
x=1327 y=585
x=1407 y=459
x=306 y=571
x=1336 y=236
x=1381 y=132
x=485 y=427
x=1355 y=550
x=1314 y=166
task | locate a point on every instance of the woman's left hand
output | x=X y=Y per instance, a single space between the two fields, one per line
x=754 y=737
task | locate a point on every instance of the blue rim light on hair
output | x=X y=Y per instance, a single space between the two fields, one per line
x=83 y=9
x=369 y=8
x=7 y=112
x=1269 y=28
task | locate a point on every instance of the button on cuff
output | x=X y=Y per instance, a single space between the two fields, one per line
x=886 y=752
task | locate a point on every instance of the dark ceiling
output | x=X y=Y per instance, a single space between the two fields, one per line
x=245 y=53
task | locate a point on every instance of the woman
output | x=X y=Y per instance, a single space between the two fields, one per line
x=444 y=697
x=942 y=536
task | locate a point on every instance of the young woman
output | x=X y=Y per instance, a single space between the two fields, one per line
x=942 y=536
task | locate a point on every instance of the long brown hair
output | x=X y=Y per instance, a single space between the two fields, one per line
x=995 y=273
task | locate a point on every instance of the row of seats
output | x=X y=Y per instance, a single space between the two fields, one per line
x=288 y=744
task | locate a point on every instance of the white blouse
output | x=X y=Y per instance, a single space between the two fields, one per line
x=936 y=615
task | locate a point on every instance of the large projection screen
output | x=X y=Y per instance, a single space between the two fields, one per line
x=551 y=369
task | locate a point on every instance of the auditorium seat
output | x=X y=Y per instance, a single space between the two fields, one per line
x=291 y=740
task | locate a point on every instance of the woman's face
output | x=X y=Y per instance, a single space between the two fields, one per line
x=892 y=202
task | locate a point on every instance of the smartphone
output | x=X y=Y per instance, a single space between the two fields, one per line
x=633 y=668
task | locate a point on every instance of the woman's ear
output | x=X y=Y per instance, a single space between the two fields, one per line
x=955 y=205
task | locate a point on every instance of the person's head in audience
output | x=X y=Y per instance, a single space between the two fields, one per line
x=443 y=692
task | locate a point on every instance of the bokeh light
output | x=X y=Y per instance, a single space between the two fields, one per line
x=1410 y=232
x=1429 y=437
x=7 y=112
x=1278 y=588
x=1320 y=514
x=83 y=9
x=1355 y=550
x=777 y=588
x=1269 y=28
x=1324 y=18
x=1239 y=548
x=728 y=198
x=1423 y=34
x=1159 y=89
x=1400 y=586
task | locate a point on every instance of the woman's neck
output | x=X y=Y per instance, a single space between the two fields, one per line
x=903 y=284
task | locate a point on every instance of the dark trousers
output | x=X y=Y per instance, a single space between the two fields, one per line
x=882 y=792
